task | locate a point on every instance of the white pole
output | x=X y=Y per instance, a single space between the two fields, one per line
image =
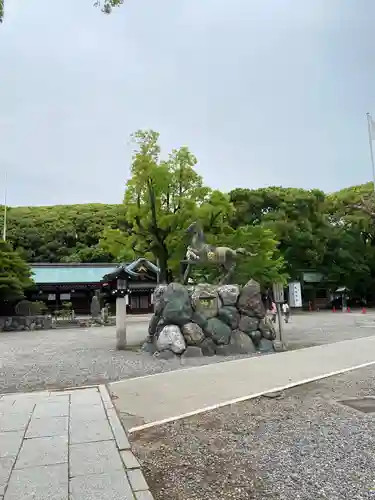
x=5 y=210
x=370 y=126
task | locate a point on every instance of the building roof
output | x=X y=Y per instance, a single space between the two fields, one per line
x=45 y=274
x=68 y=273
x=133 y=269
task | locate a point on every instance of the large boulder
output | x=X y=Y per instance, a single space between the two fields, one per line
x=192 y=352
x=218 y=331
x=199 y=319
x=229 y=294
x=250 y=300
x=158 y=298
x=256 y=337
x=267 y=328
x=177 y=306
x=193 y=334
x=265 y=345
x=208 y=347
x=171 y=338
x=230 y=316
x=248 y=324
x=241 y=343
x=205 y=300
x=152 y=326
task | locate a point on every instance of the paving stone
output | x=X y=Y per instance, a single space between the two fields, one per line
x=52 y=409
x=94 y=458
x=118 y=430
x=14 y=421
x=6 y=465
x=143 y=495
x=39 y=483
x=23 y=406
x=43 y=451
x=84 y=397
x=90 y=412
x=86 y=431
x=6 y=406
x=137 y=480
x=45 y=427
x=129 y=459
x=109 y=486
x=10 y=443
x=107 y=401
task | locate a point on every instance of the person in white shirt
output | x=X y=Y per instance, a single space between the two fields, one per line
x=286 y=311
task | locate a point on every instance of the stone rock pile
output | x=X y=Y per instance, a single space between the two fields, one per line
x=205 y=320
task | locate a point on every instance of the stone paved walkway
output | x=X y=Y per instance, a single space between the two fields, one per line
x=67 y=445
x=186 y=392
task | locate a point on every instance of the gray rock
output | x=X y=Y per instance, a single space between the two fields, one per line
x=218 y=331
x=193 y=334
x=158 y=298
x=199 y=319
x=171 y=338
x=229 y=294
x=192 y=352
x=225 y=350
x=248 y=324
x=250 y=300
x=208 y=347
x=241 y=343
x=255 y=337
x=152 y=326
x=267 y=328
x=205 y=300
x=165 y=355
x=230 y=316
x=177 y=306
x=265 y=346
x=149 y=347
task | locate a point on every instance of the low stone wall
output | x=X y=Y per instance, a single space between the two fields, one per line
x=208 y=320
x=19 y=323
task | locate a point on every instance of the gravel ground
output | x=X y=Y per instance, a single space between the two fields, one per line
x=62 y=358
x=56 y=359
x=304 y=445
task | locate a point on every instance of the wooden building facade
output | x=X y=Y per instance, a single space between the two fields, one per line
x=78 y=283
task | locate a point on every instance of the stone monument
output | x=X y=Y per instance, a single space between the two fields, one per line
x=205 y=320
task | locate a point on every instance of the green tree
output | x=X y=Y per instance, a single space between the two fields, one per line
x=297 y=218
x=350 y=258
x=15 y=275
x=163 y=197
x=63 y=233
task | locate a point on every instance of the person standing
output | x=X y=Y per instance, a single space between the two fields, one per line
x=273 y=312
x=286 y=311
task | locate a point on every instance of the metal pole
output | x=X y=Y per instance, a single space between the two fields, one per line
x=370 y=138
x=5 y=209
x=280 y=321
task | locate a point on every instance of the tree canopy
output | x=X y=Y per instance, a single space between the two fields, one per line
x=162 y=197
x=15 y=274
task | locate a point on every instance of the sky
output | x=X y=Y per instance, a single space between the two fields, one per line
x=263 y=92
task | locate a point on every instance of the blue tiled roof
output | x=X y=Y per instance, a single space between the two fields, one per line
x=68 y=274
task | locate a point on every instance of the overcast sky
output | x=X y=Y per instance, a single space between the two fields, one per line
x=264 y=92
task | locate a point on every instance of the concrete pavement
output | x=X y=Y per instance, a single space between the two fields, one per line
x=66 y=445
x=164 y=397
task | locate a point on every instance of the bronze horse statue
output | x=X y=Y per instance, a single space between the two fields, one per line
x=200 y=253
